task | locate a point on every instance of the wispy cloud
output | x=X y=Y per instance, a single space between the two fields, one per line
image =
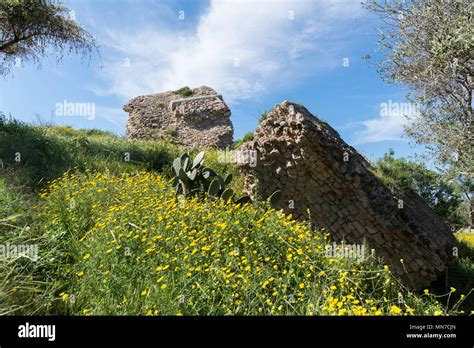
x=389 y=126
x=240 y=48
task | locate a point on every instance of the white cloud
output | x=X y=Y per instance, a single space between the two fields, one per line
x=393 y=117
x=271 y=50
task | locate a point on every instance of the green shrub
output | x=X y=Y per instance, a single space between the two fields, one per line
x=461 y=273
x=184 y=91
x=247 y=137
x=443 y=196
x=192 y=178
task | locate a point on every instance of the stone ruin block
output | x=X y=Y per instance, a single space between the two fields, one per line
x=199 y=120
x=307 y=159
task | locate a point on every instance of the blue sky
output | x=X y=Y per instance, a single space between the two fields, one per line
x=256 y=53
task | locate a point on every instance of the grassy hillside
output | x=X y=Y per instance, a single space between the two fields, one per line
x=113 y=239
x=35 y=155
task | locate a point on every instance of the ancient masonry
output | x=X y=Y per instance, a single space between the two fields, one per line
x=316 y=169
x=200 y=119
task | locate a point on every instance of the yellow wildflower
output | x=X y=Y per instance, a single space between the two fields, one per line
x=395 y=310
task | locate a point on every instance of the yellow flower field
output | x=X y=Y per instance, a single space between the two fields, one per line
x=139 y=250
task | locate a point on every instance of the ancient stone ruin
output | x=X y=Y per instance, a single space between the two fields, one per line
x=306 y=158
x=193 y=118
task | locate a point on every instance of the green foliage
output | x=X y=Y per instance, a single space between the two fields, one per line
x=171 y=133
x=191 y=177
x=46 y=153
x=29 y=27
x=24 y=287
x=69 y=132
x=443 y=196
x=184 y=91
x=28 y=152
x=214 y=187
x=214 y=159
x=428 y=45
x=247 y=137
x=195 y=179
x=263 y=116
x=466 y=184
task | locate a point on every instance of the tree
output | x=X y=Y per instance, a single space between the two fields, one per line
x=29 y=27
x=466 y=184
x=428 y=45
x=445 y=197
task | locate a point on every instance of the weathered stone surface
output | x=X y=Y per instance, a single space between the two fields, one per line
x=200 y=120
x=317 y=170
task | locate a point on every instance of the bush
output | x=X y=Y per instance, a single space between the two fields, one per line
x=184 y=91
x=441 y=195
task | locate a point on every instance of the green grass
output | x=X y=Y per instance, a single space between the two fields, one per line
x=47 y=152
x=38 y=154
x=20 y=281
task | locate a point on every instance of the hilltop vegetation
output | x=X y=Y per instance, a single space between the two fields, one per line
x=46 y=153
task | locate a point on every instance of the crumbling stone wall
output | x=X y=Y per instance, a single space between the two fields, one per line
x=306 y=158
x=199 y=120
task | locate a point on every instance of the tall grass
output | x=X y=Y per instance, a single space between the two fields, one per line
x=31 y=157
x=35 y=155
x=38 y=154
